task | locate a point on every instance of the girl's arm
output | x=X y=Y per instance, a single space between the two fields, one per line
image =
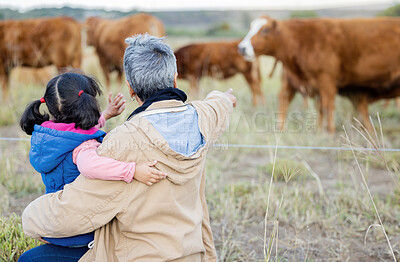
x=102 y=121
x=114 y=108
x=91 y=165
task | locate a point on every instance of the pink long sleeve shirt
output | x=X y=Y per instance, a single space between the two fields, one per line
x=93 y=166
x=88 y=162
x=101 y=122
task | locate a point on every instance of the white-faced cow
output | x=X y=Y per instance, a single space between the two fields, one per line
x=358 y=58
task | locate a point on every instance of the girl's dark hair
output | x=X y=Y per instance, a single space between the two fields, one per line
x=65 y=103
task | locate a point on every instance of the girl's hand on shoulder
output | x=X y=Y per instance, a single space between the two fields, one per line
x=115 y=106
x=147 y=174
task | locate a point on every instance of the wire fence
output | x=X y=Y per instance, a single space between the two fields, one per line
x=14 y=139
x=325 y=148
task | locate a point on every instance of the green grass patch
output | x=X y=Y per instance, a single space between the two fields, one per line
x=13 y=241
x=286 y=169
x=240 y=189
x=7 y=116
x=382 y=160
x=16 y=179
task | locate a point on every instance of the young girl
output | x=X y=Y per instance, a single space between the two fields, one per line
x=75 y=116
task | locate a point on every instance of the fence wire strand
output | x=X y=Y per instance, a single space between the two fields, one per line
x=326 y=148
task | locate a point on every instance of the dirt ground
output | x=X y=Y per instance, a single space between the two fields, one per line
x=314 y=242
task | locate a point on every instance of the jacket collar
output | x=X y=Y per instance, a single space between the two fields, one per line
x=166 y=104
x=162 y=95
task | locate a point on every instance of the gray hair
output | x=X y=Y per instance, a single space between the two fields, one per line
x=149 y=64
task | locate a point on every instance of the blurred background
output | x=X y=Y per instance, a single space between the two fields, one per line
x=200 y=18
x=265 y=204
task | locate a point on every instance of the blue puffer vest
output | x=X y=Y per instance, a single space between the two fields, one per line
x=51 y=155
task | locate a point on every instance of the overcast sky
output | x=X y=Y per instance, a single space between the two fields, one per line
x=149 y=5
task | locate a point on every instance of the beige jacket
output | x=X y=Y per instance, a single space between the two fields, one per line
x=134 y=222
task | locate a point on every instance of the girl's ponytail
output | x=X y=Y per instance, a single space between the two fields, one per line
x=32 y=117
x=70 y=98
x=87 y=111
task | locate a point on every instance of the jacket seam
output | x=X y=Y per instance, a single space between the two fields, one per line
x=200 y=119
x=86 y=219
x=41 y=151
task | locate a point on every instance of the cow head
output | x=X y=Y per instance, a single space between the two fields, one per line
x=260 y=40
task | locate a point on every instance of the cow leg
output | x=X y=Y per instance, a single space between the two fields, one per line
x=305 y=97
x=305 y=102
x=108 y=83
x=387 y=103
x=4 y=85
x=77 y=59
x=252 y=88
x=286 y=95
x=254 y=80
x=119 y=79
x=363 y=112
x=256 y=76
x=320 y=113
x=327 y=90
x=360 y=102
x=194 y=86
x=106 y=72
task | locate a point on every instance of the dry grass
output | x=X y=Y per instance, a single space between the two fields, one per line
x=316 y=209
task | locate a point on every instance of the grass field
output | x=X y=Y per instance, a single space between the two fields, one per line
x=265 y=204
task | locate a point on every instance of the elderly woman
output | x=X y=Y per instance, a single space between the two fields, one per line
x=135 y=222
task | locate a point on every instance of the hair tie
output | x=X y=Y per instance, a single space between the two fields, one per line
x=80 y=92
x=42 y=100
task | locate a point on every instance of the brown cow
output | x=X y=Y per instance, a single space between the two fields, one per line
x=359 y=96
x=355 y=56
x=38 y=43
x=220 y=60
x=108 y=38
x=293 y=83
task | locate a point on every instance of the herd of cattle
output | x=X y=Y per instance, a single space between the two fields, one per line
x=356 y=58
